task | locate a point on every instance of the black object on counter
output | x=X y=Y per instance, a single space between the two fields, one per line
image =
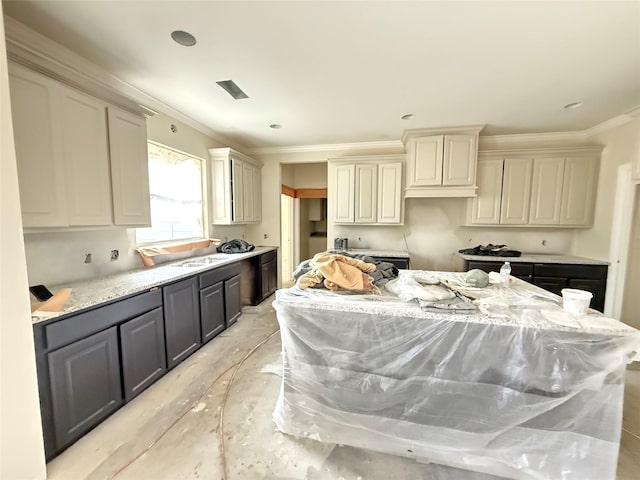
x=491 y=251
x=236 y=245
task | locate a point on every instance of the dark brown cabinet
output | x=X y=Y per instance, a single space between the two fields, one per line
x=553 y=277
x=143 y=352
x=85 y=384
x=212 y=311
x=232 y=299
x=267 y=278
x=181 y=319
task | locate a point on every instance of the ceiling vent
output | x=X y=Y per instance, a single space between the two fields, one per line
x=233 y=89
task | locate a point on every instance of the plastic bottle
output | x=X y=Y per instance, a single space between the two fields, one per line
x=505 y=271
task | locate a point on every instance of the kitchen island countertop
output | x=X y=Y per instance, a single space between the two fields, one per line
x=535 y=258
x=90 y=293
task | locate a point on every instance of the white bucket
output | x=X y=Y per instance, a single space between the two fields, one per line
x=575 y=301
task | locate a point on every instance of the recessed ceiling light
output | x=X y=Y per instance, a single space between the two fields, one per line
x=232 y=89
x=570 y=106
x=275 y=126
x=183 y=38
x=408 y=116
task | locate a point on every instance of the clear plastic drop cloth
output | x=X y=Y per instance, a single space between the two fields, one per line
x=515 y=388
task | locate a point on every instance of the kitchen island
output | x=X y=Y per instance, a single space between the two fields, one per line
x=518 y=388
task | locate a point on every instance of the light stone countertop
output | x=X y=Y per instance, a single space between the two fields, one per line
x=379 y=253
x=520 y=305
x=535 y=258
x=94 y=292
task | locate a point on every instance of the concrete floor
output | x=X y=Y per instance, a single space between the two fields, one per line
x=192 y=425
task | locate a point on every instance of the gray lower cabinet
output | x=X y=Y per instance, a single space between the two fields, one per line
x=181 y=319
x=212 y=311
x=267 y=279
x=85 y=384
x=143 y=352
x=232 y=299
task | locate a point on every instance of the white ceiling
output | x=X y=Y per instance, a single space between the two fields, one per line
x=336 y=72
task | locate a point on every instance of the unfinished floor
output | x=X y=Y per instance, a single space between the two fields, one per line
x=210 y=418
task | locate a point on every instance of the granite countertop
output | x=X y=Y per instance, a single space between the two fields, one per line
x=520 y=305
x=93 y=292
x=535 y=258
x=380 y=253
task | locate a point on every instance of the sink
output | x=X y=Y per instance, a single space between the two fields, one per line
x=201 y=262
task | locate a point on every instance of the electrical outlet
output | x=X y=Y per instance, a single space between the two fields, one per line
x=266 y=236
x=87 y=258
x=114 y=255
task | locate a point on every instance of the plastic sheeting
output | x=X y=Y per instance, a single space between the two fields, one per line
x=513 y=389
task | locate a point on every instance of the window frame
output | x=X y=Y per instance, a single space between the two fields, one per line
x=205 y=202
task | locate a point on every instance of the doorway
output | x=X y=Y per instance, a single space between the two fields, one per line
x=630 y=305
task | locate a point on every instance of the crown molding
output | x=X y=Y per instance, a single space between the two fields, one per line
x=533 y=151
x=626 y=117
x=33 y=50
x=423 y=132
x=497 y=141
x=380 y=145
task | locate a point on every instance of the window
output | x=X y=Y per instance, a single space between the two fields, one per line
x=175 y=187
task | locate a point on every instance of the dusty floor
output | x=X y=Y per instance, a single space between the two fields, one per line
x=172 y=430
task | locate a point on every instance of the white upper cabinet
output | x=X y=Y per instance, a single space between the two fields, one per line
x=236 y=183
x=366 y=190
x=516 y=191
x=442 y=162
x=366 y=205
x=86 y=156
x=71 y=159
x=579 y=190
x=486 y=206
x=546 y=191
x=38 y=144
x=390 y=192
x=544 y=187
x=129 y=168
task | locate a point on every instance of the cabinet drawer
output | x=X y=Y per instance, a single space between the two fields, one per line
x=79 y=326
x=219 y=274
x=595 y=272
x=402 y=263
x=517 y=269
x=267 y=257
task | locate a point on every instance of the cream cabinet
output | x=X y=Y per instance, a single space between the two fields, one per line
x=536 y=187
x=129 y=168
x=441 y=163
x=75 y=168
x=236 y=185
x=366 y=190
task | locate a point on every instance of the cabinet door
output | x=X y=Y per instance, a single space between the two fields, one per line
x=390 y=192
x=248 y=192
x=268 y=278
x=85 y=384
x=459 y=165
x=38 y=146
x=232 y=300
x=86 y=155
x=516 y=191
x=579 y=190
x=366 y=187
x=257 y=194
x=143 y=352
x=546 y=191
x=425 y=161
x=344 y=195
x=129 y=168
x=237 y=190
x=181 y=319
x=212 y=311
x=485 y=208
x=551 y=284
x=221 y=189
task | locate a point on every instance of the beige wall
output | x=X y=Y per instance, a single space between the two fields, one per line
x=311 y=175
x=622 y=145
x=21 y=447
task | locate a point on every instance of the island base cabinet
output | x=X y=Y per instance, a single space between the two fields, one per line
x=85 y=384
x=143 y=352
x=181 y=319
x=232 y=300
x=212 y=311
